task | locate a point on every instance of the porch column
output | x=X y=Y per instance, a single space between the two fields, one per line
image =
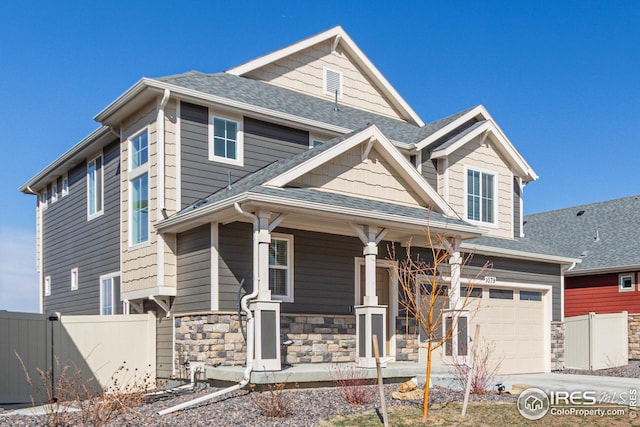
x=370 y=317
x=265 y=310
x=455 y=301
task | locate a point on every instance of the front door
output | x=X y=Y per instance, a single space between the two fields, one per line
x=382 y=290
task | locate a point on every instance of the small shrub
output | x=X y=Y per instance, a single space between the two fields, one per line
x=484 y=372
x=274 y=402
x=352 y=384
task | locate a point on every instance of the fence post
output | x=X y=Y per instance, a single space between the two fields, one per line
x=592 y=338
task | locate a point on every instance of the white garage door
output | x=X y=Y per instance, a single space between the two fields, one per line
x=514 y=321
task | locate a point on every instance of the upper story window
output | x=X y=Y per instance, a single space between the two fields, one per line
x=481 y=196
x=281 y=267
x=110 y=294
x=225 y=140
x=625 y=282
x=74 y=279
x=65 y=186
x=139 y=189
x=55 y=188
x=47 y=286
x=95 y=187
x=44 y=198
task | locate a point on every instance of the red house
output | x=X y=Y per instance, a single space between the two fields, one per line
x=606 y=237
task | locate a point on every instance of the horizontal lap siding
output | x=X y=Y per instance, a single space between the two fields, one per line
x=264 y=143
x=323 y=269
x=599 y=294
x=194 y=270
x=519 y=271
x=71 y=241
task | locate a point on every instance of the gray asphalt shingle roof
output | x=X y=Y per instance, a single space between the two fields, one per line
x=605 y=234
x=284 y=100
x=522 y=244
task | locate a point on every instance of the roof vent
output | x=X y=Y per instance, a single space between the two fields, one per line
x=580 y=213
x=584 y=254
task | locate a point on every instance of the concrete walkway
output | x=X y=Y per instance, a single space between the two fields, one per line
x=568 y=382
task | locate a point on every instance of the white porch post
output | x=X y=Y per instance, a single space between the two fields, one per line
x=266 y=311
x=371 y=318
x=455 y=302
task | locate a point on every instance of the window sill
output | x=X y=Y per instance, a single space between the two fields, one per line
x=225 y=160
x=95 y=215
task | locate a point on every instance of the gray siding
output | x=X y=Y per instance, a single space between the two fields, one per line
x=516 y=208
x=264 y=143
x=71 y=241
x=323 y=269
x=521 y=271
x=194 y=270
x=164 y=345
x=429 y=170
x=235 y=262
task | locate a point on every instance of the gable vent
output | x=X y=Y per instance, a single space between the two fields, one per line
x=332 y=82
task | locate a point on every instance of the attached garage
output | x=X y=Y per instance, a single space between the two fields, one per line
x=517 y=320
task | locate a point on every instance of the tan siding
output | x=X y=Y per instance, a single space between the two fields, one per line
x=170 y=193
x=483 y=157
x=303 y=72
x=348 y=174
x=139 y=265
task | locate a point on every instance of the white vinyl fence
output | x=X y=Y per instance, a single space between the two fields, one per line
x=93 y=348
x=596 y=341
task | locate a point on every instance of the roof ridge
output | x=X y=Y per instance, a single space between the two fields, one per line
x=586 y=205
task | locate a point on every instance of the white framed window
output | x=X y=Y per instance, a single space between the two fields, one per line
x=314 y=142
x=625 y=282
x=281 y=267
x=44 y=198
x=95 y=187
x=74 y=279
x=225 y=140
x=332 y=82
x=481 y=196
x=47 y=286
x=55 y=188
x=530 y=296
x=110 y=294
x=139 y=189
x=65 y=186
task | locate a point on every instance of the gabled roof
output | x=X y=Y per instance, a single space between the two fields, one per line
x=338 y=36
x=471 y=124
x=264 y=185
x=605 y=235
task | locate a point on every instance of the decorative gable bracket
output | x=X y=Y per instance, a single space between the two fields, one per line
x=366 y=149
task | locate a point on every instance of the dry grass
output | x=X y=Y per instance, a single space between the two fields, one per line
x=478 y=415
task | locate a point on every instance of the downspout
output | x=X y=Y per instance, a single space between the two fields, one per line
x=250 y=327
x=160 y=182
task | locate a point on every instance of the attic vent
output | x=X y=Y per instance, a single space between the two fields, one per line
x=584 y=254
x=332 y=82
x=580 y=213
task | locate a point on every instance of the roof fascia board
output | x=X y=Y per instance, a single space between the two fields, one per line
x=604 y=270
x=479 y=110
x=510 y=253
x=123 y=99
x=362 y=60
x=74 y=151
x=504 y=143
x=413 y=177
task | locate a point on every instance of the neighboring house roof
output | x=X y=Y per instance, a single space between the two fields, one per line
x=604 y=235
x=523 y=248
x=339 y=37
x=259 y=183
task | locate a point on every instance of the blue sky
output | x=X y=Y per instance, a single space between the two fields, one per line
x=560 y=78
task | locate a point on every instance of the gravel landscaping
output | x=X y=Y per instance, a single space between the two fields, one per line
x=307 y=408
x=631 y=370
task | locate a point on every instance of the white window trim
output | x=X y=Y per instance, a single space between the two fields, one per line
x=493 y=224
x=290 y=290
x=324 y=83
x=44 y=196
x=132 y=175
x=239 y=160
x=313 y=138
x=65 y=185
x=54 y=191
x=621 y=277
x=75 y=279
x=47 y=286
x=103 y=277
x=97 y=213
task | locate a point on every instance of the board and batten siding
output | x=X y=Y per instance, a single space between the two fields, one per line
x=264 y=143
x=71 y=241
x=194 y=270
x=323 y=268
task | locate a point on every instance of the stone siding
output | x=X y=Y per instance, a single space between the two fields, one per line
x=318 y=339
x=634 y=336
x=557 y=345
x=406 y=340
